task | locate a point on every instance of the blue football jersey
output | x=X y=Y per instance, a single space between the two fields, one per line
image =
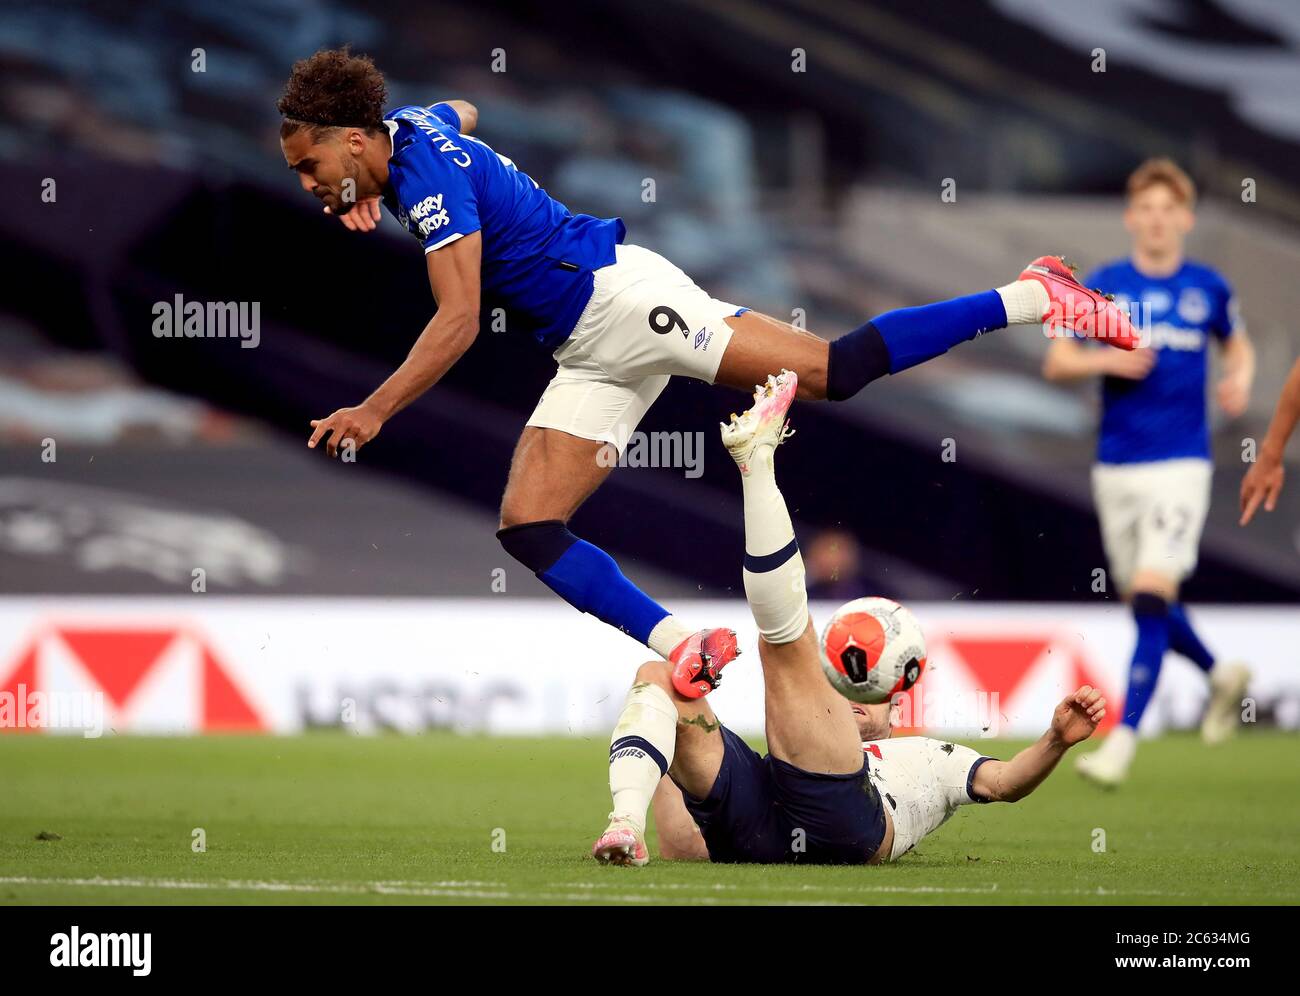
x=538 y=257
x=1164 y=417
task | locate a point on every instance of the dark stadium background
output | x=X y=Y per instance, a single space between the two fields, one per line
x=815 y=190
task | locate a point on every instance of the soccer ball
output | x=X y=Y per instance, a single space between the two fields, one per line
x=871 y=649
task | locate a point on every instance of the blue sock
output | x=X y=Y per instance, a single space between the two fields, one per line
x=583 y=575
x=906 y=337
x=1151 y=615
x=1183 y=639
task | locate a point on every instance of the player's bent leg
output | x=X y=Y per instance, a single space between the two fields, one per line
x=889 y=343
x=658 y=732
x=808 y=724
x=1185 y=641
x=641 y=749
x=551 y=475
x=1229 y=680
x=696 y=749
x=1046 y=292
x=760 y=344
x=1109 y=765
x=819 y=773
x=679 y=835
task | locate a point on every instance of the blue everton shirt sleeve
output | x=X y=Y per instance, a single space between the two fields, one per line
x=445 y=113
x=435 y=196
x=1224 y=316
x=538 y=258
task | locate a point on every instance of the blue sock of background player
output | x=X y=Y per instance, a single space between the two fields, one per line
x=1183 y=639
x=1151 y=614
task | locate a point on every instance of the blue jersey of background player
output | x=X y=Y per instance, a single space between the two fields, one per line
x=1163 y=416
x=1151 y=483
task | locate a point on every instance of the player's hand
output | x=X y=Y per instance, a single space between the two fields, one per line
x=359 y=424
x=1233 y=394
x=1077 y=716
x=1262 y=484
x=1131 y=365
x=364 y=217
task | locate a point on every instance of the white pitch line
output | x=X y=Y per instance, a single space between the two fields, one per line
x=590 y=892
x=375 y=888
x=993 y=889
x=461 y=889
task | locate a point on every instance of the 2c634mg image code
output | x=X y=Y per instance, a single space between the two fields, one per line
x=1173 y=949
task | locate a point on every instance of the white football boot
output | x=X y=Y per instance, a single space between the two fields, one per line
x=1108 y=765
x=1223 y=715
x=763 y=425
x=621 y=844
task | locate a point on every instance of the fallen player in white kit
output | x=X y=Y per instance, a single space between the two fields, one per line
x=834 y=788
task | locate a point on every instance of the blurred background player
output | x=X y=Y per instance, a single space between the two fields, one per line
x=834 y=558
x=823 y=794
x=1151 y=481
x=1263 y=482
x=621 y=321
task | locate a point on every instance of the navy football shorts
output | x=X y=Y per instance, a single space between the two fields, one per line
x=758 y=805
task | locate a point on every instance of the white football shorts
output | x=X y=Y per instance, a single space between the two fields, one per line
x=1152 y=515
x=646 y=321
x=921 y=782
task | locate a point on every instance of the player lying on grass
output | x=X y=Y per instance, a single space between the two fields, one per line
x=619 y=319
x=821 y=795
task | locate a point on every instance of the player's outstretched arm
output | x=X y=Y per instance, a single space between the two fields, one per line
x=1074 y=721
x=1263 y=482
x=454 y=277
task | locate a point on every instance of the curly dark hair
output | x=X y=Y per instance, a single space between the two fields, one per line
x=333 y=89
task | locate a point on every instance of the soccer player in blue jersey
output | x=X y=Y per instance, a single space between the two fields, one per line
x=619 y=320
x=1151 y=482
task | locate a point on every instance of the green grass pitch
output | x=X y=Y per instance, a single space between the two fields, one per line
x=446 y=819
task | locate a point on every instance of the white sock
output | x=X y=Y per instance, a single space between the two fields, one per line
x=641 y=750
x=1025 y=301
x=774 y=571
x=1121 y=743
x=668 y=632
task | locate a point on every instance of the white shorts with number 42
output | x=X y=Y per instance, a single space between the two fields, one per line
x=1152 y=515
